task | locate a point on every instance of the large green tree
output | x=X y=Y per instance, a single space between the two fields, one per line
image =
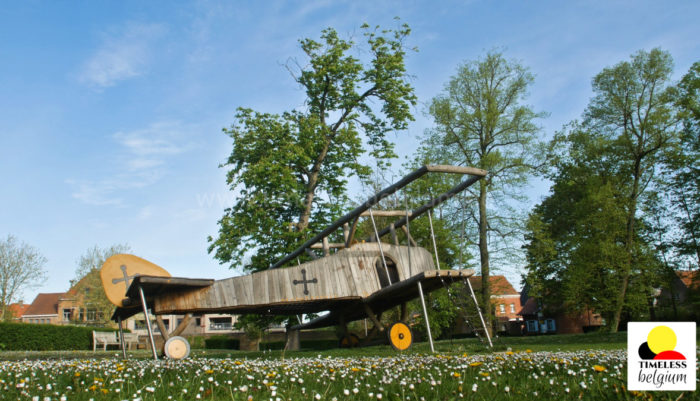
x=289 y=170
x=575 y=238
x=633 y=108
x=682 y=163
x=481 y=121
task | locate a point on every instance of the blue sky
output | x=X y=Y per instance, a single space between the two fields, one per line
x=111 y=112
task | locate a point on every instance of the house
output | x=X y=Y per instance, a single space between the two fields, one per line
x=675 y=301
x=43 y=310
x=505 y=304
x=15 y=311
x=541 y=318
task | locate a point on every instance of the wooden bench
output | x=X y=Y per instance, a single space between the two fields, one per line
x=105 y=338
x=131 y=338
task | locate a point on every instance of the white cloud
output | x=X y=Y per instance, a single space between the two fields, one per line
x=139 y=161
x=121 y=56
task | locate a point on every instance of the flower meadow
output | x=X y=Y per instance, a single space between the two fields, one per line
x=589 y=375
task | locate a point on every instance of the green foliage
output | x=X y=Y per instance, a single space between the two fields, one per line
x=633 y=110
x=45 y=337
x=682 y=168
x=586 y=243
x=254 y=325
x=289 y=169
x=88 y=285
x=481 y=122
x=222 y=342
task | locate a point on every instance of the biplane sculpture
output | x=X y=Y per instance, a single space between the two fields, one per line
x=351 y=281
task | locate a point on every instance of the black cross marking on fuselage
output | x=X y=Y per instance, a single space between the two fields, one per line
x=126 y=279
x=305 y=281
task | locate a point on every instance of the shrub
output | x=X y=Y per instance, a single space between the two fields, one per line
x=272 y=345
x=221 y=342
x=46 y=337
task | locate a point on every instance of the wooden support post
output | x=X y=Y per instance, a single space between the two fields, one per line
x=121 y=336
x=346 y=232
x=408 y=234
x=292 y=341
x=148 y=323
x=182 y=326
x=394 y=237
x=404 y=312
x=351 y=235
x=373 y=317
x=326 y=251
x=162 y=328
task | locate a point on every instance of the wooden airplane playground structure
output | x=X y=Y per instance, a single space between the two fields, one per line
x=351 y=281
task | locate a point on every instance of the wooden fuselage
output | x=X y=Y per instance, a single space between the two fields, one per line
x=344 y=277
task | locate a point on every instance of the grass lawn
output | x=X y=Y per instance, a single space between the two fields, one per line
x=588 y=366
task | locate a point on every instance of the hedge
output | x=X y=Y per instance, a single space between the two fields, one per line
x=221 y=342
x=45 y=337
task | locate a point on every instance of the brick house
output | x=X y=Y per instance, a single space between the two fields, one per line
x=541 y=318
x=15 y=311
x=505 y=304
x=43 y=310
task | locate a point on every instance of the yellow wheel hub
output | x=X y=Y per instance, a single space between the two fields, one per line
x=400 y=336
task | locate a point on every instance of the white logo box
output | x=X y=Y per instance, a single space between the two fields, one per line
x=661 y=375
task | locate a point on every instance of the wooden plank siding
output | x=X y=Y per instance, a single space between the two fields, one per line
x=347 y=274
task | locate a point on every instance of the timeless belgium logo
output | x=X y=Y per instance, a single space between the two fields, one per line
x=661 y=356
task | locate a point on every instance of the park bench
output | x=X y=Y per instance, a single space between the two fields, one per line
x=105 y=338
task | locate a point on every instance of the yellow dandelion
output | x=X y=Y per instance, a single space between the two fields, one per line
x=599 y=368
x=475 y=364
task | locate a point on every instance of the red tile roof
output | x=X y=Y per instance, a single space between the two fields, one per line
x=17 y=310
x=499 y=285
x=44 y=304
x=690 y=278
x=530 y=307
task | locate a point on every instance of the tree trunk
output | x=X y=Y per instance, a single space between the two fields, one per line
x=311 y=187
x=484 y=253
x=629 y=248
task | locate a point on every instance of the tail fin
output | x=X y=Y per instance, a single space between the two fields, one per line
x=119 y=270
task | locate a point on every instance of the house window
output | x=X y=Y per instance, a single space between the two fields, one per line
x=81 y=315
x=220 y=323
x=198 y=321
x=532 y=326
x=502 y=308
x=512 y=308
x=91 y=315
x=87 y=290
x=66 y=315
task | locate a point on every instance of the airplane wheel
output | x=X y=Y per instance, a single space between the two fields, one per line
x=349 y=341
x=177 y=348
x=400 y=336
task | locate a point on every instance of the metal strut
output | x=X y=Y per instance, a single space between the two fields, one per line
x=148 y=323
x=481 y=316
x=121 y=336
